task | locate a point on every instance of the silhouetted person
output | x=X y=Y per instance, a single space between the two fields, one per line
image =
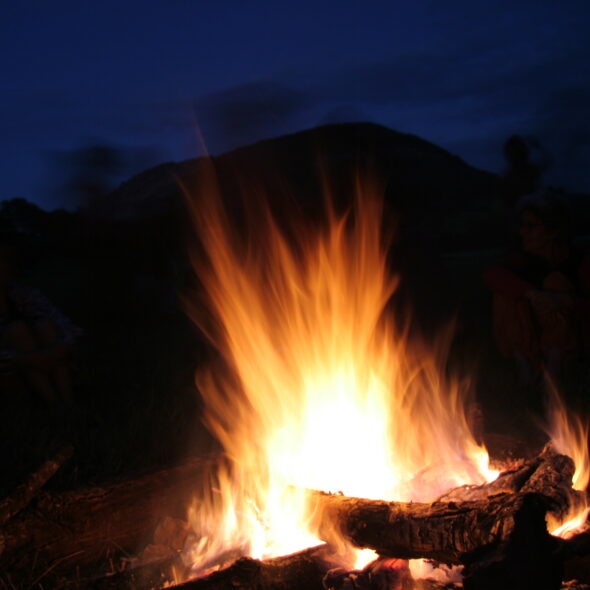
x=35 y=341
x=541 y=292
x=523 y=174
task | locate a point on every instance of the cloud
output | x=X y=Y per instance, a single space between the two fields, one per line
x=343 y=113
x=247 y=112
x=502 y=74
x=564 y=123
x=566 y=115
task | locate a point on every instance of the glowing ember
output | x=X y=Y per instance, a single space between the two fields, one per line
x=318 y=388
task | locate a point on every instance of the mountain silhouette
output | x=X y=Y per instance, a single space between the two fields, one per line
x=437 y=196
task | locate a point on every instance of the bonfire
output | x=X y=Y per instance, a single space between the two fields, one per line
x=347 y=455
x=320 y=391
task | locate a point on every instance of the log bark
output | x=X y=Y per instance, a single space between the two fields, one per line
x=553 y=480
x=61 y=532
x=549 y=474
x=298 y=571
x=502 y=542
x=510 y=481
x=75 y=529
x=446 y=532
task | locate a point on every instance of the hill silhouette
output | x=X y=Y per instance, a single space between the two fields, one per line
x=438 y=197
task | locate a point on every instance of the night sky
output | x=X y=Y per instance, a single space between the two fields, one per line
x=145 y=76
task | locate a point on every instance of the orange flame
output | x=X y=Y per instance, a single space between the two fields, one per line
x=569 y=434
x=318 y=388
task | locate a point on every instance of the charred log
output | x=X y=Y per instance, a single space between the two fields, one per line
x=527 y=558
x=445 y=532
x=502 y=541
x=390 y=573
x=25 y=493
x=304 y=569
x=60 y=532
x=510 y=481
x=549 y=474
x=553 y=479
x=69 y=530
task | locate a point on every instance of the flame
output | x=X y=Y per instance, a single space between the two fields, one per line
x=569 y=435
x=316 y=387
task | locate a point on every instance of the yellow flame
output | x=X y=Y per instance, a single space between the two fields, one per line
x=317 y=386
x=569 y=435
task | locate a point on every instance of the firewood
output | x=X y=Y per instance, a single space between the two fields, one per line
x=441 y=531
x=510 y=481
x=527 y=558
x=550 y=474
x=553 y=479
x=24 y=493
x=384 y=572
x=77 y=529
x=304 y=569
x=61 y=532
x=502 y=541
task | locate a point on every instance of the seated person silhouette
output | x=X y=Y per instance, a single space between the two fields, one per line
x=541 y=292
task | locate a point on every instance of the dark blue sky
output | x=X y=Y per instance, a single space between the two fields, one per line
x=145 y=75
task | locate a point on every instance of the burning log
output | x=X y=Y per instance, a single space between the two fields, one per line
x=549 y=474
x=500 y=537
x=304 y=569
x=553 y=479
x=446 y=532
x=389 y=573
x=509 y=481
x=499 y=531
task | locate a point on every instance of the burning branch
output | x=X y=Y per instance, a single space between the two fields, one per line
x=23 y=495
